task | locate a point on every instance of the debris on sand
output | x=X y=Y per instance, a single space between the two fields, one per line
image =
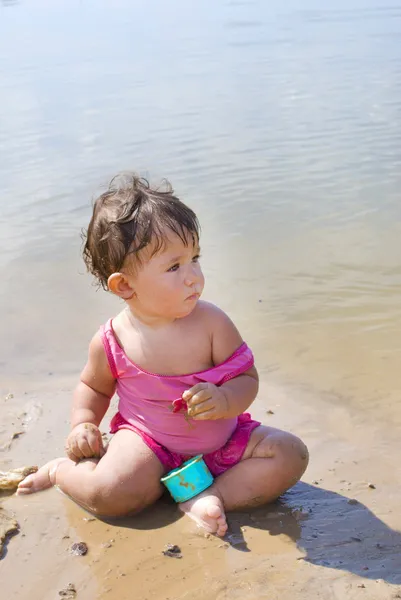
x=69 y=593
x=371 y=486
x=79 y=549
x=15 y=436
x=172 y=550
x=9 y=480
x=8 y=527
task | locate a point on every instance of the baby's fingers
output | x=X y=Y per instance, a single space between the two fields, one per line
x=84 y=447
x=73 y=452
x=96 y=444
x=198 y=409
x=199 y=398
x=189 y=394
x=207 y=415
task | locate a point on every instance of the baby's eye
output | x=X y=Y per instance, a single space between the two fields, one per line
x=174 y=268
x=196 y=258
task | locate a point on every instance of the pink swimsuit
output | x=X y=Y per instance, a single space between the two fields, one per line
x=151 y=405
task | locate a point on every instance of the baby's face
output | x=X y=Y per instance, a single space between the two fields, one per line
x=169 y=283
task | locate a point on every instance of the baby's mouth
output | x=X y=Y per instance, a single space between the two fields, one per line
x=191 y=296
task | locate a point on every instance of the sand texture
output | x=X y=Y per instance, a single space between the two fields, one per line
x=335 y=535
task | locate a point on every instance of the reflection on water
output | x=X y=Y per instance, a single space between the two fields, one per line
x=280 y=125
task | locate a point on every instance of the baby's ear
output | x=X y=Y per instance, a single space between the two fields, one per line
x=119 y=285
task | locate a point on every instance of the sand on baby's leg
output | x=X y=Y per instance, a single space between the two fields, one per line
x=273 y=461
x=125 y=480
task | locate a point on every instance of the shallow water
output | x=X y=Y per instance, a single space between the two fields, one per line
x=280 y=125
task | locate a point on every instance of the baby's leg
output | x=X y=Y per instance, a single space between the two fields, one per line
x=125 y=480
x=273 y=462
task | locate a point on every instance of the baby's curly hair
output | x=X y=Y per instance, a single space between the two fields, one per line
x=127 y=217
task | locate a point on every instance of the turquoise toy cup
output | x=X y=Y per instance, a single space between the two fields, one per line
x=189 y=480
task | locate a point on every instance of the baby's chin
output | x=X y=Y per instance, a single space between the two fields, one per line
x=187 y=309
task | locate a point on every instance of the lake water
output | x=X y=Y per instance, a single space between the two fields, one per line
x=279 y=122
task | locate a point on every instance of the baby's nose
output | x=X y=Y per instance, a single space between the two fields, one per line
x=191 y=276
x=190 y=281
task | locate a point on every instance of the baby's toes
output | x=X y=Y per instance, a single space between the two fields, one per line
x=222 y=526
x=215 y=512
x=25 y=486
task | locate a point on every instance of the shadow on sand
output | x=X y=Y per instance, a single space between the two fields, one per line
x=329 y=528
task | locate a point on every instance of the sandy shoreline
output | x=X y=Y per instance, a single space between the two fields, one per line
x=313 y=543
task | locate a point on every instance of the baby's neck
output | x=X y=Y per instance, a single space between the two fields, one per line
x=139 y=320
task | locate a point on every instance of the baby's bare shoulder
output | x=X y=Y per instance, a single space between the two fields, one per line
x=208 y=310
x=222 y=333
x=208 y=315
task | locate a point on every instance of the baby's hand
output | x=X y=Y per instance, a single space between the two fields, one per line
x=84 y=441
x=206 y=401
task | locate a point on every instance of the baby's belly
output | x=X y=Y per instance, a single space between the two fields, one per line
x=188 y=437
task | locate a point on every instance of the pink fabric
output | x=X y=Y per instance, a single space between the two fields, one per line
x=218 y=462
x=146 y=399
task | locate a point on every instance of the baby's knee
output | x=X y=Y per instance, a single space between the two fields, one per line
x=295 y=454
x=299 y=449
x=287 y=448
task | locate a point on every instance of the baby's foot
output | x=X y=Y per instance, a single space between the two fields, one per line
x=207 y=511
x=41 y=480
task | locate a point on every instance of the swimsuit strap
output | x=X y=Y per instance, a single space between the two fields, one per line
x=115 y=354
x=236 y=364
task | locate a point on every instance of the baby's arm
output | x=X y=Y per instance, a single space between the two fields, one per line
x=92 y=395
x=207 y=401
x=90 y=402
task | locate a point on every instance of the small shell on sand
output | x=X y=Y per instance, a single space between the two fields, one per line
x=9 y=480
x=79 y=549
x=172 y=550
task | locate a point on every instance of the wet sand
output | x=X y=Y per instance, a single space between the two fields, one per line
x=331 y=536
